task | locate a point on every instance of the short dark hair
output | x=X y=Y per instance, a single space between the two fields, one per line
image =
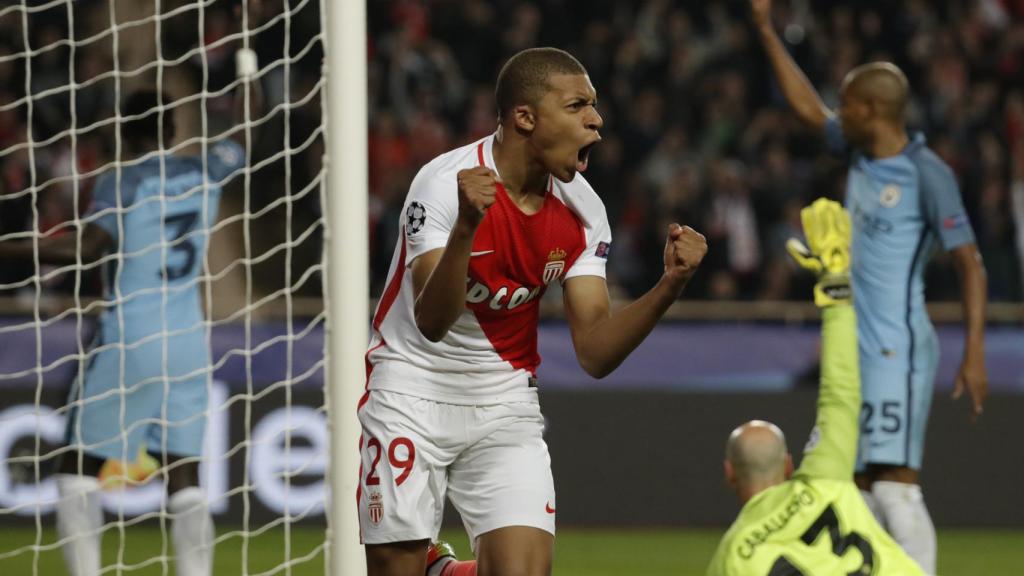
x=524 y=78
x=143 y=105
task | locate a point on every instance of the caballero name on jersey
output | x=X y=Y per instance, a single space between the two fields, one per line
x=799 y=501
x=504 y=298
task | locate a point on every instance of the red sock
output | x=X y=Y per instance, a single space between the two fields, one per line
x=464 y=568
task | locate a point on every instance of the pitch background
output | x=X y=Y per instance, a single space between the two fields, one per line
x=579 y=552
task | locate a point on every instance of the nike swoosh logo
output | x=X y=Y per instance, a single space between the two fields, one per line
x=548 y=508
x=480 y=253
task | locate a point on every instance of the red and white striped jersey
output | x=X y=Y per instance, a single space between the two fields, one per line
x=490 y=352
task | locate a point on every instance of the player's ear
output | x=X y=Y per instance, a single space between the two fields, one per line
x=873 y=107
x=524 y=118
x=729 y=473
x=789 y=466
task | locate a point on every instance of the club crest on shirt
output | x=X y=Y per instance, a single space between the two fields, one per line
x=375 y=509
x=556 y=264
x=890 y=195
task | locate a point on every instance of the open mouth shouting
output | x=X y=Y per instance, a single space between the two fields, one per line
x=583 y=157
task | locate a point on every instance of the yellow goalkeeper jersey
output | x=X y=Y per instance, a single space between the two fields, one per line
x=817 y=523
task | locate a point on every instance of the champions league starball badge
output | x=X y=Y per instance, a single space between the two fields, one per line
x=416 y=217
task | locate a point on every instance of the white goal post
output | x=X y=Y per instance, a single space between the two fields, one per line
x=279 y=458
x=348 y=252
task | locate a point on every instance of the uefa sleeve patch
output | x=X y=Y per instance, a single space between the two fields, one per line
x=953 y=222
x=603 y=250
x=415 y=218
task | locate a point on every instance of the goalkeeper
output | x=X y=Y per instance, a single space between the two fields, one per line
x=812 y=521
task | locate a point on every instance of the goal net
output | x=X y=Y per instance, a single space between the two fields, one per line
x=172 y=252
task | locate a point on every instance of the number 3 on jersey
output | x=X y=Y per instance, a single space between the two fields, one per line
x=397 y=461
x=177 y=227
x=828 y=523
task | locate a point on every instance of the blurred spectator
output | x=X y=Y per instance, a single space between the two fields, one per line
x=695 y=129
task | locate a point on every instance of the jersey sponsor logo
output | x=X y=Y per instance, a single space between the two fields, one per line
x=504 y=298
x=603 y=250
x=760 y=535
x=953 y=222
x=870 y=223
x=416 y=217
x=555 y=266
x=375 y=509
x=890 y=195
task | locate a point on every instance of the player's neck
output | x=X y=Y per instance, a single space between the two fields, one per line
x=525 y=180
x=747 y=490
x=888 y=142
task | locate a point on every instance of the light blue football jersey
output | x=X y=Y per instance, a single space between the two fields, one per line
x=160 y=229
x=902 y=208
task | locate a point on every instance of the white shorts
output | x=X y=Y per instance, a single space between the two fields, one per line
x=490 y=460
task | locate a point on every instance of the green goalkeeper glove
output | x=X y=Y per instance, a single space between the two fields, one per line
x=827 y=253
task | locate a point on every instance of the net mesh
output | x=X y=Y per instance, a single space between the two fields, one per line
x=66 y=70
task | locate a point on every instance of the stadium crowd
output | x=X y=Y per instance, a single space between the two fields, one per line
x=695 y=130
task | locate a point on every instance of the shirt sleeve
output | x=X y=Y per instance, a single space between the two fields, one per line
x=718 y=566
x=834 y=138
x=429 y=213
x=831 y=451
x=103 y=208
x=943 y=206
x=223 y=158
x=594 y=259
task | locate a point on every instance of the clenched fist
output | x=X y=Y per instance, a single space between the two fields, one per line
x=684 y=250
x=476 y=194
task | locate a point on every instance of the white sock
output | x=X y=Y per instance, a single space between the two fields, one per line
x=908 y=521
x=873 y=505
x=80 y=518
x=192 y=531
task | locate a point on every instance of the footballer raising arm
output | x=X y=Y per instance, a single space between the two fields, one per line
x=905 y=203
x=799 y=93
x=814 y=522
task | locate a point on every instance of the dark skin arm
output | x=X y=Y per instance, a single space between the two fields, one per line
x=604 y=339
x=799 y=93
x=62 y=249
x=439 y=276
x=972 y=375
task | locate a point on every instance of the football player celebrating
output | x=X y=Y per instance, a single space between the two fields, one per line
x=451 y=407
